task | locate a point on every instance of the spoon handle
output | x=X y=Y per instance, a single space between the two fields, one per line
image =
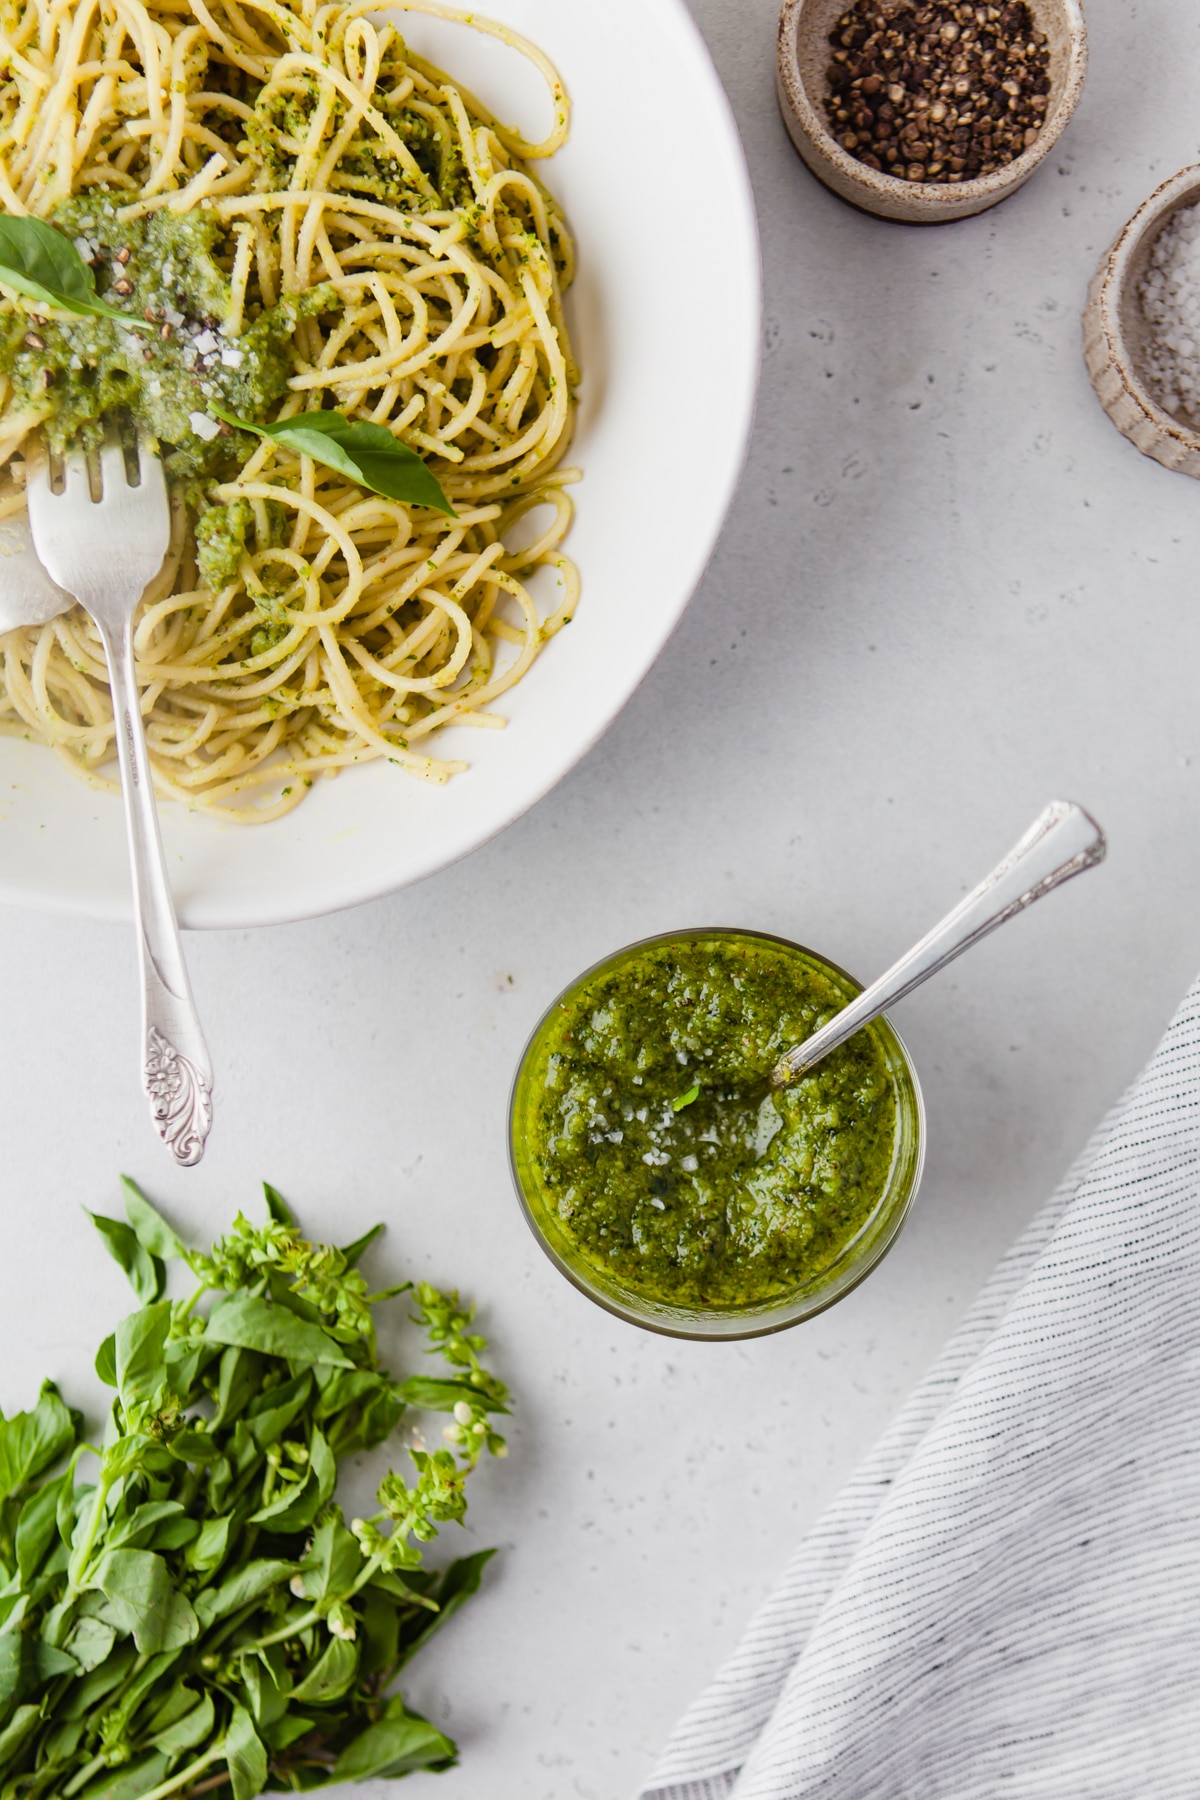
x=1062 y=841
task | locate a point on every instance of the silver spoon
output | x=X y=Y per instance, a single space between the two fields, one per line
x=1062 y=841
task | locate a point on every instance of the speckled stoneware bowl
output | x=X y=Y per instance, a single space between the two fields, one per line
x=803 y=57
x=1116 y=333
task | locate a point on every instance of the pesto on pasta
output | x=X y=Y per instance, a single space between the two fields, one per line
x=295 y=214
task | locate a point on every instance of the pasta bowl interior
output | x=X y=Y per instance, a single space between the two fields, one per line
x=667 y=365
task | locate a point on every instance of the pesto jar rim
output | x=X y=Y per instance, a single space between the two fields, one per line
x=859 y=1257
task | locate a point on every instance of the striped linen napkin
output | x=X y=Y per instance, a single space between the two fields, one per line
x=1005 y=1600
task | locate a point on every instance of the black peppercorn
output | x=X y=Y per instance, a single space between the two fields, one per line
x=937 y=92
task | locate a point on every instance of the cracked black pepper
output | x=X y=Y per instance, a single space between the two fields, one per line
x=937 y=93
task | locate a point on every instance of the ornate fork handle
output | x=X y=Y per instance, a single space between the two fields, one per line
x=176 y=1071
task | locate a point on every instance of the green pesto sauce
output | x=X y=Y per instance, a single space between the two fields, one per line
x=167 y=373
x=739 y=1196
x=223 y=535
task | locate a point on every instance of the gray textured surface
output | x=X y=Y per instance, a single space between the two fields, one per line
x=948 y=591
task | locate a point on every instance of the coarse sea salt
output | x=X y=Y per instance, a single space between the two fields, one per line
x=1170 y=296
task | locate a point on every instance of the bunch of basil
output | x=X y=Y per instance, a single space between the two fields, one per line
x=200 y=1614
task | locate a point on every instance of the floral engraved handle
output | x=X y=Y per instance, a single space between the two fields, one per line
x=180 y=1098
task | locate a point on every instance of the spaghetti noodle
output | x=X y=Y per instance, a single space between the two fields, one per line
x=306 y=215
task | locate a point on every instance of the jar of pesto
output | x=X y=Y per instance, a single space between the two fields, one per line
x=664 y=1177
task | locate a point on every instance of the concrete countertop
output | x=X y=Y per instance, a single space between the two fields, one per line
x=948 y=592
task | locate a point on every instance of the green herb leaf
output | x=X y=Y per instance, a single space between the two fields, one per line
x=277 y=1206
x=296 y=1509
x=131 y=1782
x=283 y=1732
x=174 y=1533
x=461 y=1580
x=153 y=1232
x=31 y=1441
x=143 y=1601
x=147 y=1275
x=400 y=1743
x=269 y=1415
x=250 y=1582
x=45 y=266
x=267 y=1679
x=49 y=1663
x=106 y=1360
x=13 y=1664
x=333 y=1565
x=18 y=1731
x=331 y=1675
x=252 y=1323
x=368 y=454
x=208 y=1551
x=37 y=1526
x=344 y=1388
x=379 y=1628
x=245 y=1756
x=408 y=1589
x=186 y=1732
x=91 y=1641
x=194 y=1447
x=432 y=1395
x=353 y=1252
x=239 y=1380
x=135 y=1529
x=141 y=1372
x=693 y=1093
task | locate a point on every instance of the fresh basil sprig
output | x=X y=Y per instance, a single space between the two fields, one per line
x=45 y=266
x=198 y=1614
x=368 y=454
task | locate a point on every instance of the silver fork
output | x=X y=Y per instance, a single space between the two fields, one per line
x=105 y=547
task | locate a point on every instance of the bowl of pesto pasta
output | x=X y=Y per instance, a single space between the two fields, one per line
x=414 y=340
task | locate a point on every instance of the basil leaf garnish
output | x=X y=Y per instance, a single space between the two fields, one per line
x=368 y=454
x=683 y=1100
x=45 y=266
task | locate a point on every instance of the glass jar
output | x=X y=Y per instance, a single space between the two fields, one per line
x=814 y=1291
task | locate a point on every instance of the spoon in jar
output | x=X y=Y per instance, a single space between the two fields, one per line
x=1063 y=841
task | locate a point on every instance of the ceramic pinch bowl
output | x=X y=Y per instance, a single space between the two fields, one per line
x=803 y=57
x=1117 y=334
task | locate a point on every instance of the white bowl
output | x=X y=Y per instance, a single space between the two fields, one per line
x=666 y=314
